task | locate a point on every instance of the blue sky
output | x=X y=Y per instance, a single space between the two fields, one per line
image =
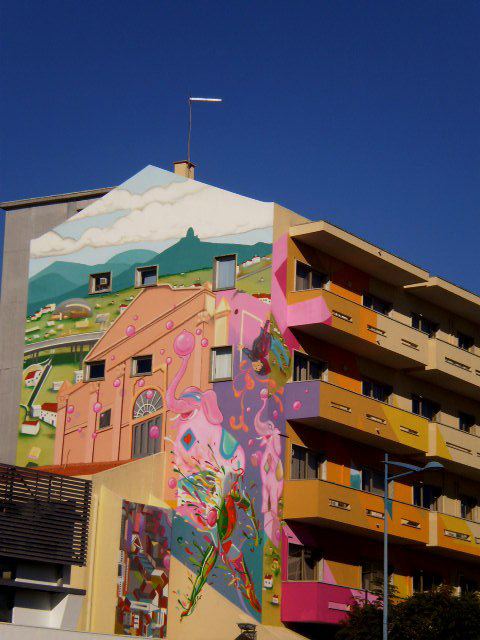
x=363 y=113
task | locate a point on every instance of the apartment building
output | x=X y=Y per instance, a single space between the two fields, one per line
x=230 y=389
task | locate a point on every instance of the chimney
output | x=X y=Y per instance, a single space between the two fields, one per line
x=184 y=168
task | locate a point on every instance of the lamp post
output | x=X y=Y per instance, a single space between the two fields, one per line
x=411 y=468
x=190 y=100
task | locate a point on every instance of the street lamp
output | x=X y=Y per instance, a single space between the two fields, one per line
x=411 y=468
x=190 y=100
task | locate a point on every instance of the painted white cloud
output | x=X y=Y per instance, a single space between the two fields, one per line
x=159 y=214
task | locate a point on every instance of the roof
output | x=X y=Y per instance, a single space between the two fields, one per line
x=82 y=468
x=30 y=422
x=32 y=374
x=61 y=197
x=50 y=406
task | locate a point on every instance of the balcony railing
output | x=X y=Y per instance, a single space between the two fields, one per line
x=451 y=444
x=365 y=331
x=346 y=508
x=319 y=602
x=454 y=368
x=363 y=417
x=43 y=516
x=454 y=534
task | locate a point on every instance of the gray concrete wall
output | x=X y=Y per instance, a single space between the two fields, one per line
x=20 y=632
x=21 y=225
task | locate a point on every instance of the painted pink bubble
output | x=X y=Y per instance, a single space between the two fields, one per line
x=306 y=390
x=212 y=517
x=166 y=562
x=248 y=409
x=149 y=394
x=70 y=408
x=297 y=405
x=130 y=330
x=154 y=432
x=172 y=483
x=204 y=342
x=162 y=351
x=168 y=360
x=169 y=325
x=135 y=317
x=69 y=419
x=275 y=414
x=141 y=382
x=254 y=460
x=94 y=435
x=112 y=357
x=251 y=442
x=264 y=393
x=184 y=344
x=198 y=331
x=97 y=407
x=117 y=382
x=80 y=430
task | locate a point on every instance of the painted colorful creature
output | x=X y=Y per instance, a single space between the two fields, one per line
x=271 y=469
x=211 y=491
x=261 y=347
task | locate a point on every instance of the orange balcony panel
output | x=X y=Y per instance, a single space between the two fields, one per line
x=356 y=328
x=454 y=535
x=460 y=448
x=341 y=507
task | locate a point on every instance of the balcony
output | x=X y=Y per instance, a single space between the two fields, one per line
x=43 y=516
x=319 y=602
x=453 y=535
x=459 y=450
x=356 y=416
x=335 y=506
x=453 y=368
x=363 y=331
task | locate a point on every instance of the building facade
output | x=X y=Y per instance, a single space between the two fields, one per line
x=231 y=377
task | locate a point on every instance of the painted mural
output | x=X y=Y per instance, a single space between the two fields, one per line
x=143 y=568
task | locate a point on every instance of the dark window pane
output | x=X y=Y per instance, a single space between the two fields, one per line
x=309 y=564
x=466 y=421
x=316 y=369
x=96 y=370
x=302 y=277
x=143 y=365
x=465 y=341
x=417 y=495
x=104 y=420
x=415 y=321
x=225 y=268
x=148 y=276
x=318 y=280
x=312 y=465
x=298 y=463
x=378 y=483
x=294 y=562
x=300 y=367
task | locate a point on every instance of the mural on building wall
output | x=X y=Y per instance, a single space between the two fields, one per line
x=116 y=235
x=143 y=569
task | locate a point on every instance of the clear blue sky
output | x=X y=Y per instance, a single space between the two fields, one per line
x=363 y=113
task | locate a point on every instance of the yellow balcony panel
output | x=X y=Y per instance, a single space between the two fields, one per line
x=361 y=330
x=340 y=507
x=453 y=368
x=458 y=450
x=454 y=536
x=356 y=416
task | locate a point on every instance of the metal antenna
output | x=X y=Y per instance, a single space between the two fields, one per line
x=190 y=100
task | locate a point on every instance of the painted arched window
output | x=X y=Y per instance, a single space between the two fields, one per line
x=149 y=401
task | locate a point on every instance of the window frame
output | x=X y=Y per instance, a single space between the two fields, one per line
x=420 y=575
x=436 y=495
x=373 y=473
x=216 y=260
x=388 y=388
x=433 y=326
x=212 y=361
x=311 y=271
x=422 y=399
x=321 y=462
x=105 y=426
x=471 y=507
x=92 y=290
x=157 y=442
x=388 y=306
x=469 y=339
x=138 y=276
x=134 y=371
x=469 y=424
x=88 y=365
x=309 y=359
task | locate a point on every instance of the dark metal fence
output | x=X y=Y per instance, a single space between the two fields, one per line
x=43 y=516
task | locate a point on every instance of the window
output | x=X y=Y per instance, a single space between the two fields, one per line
x=425 y=581
x=427 y=496
x=149 y=401
x=468 y=507
x=423 y=407
x=306 y=464
x=104 y=420
x=465 y=421
x=308 y=278
x=100 y=282
x=373 y=482
x=372 y=576
x=304 y=563
x=142 y=443
x=146 y=276
x=467 y=585
x=224 y=272
x=306 y=368
x=424 y=325
x=96 y=370
x=376 y=390
x=221 y=364
x=465 y=341
x=377 y=304
x=141 y=365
